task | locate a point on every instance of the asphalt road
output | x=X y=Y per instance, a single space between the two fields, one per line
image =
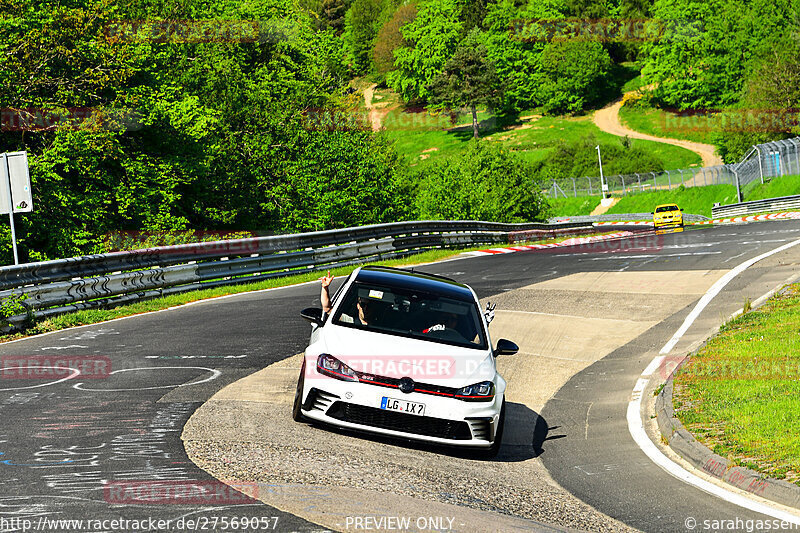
x=62 y=442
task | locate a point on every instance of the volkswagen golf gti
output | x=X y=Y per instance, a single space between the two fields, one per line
x=405 y=354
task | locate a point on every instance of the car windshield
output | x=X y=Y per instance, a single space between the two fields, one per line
x=411 y=313
x=664 y=208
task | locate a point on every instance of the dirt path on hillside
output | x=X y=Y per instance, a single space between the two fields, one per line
x=607 y=119
x=376 y=111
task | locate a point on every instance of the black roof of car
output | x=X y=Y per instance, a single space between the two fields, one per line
x=419 y=281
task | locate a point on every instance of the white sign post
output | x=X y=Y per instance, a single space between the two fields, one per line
x=603 y=184
x=15 y=190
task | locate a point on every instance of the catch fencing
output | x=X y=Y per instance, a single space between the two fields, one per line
x=55 y=287
x=763 y=161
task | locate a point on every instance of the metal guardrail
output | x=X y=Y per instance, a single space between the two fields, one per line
x=623 y=216
x=106 y=280
x=784 y=203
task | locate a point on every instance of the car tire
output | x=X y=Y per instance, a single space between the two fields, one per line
x=492 y=451
x=297 y=413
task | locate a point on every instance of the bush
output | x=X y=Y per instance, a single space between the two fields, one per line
x=486 y=183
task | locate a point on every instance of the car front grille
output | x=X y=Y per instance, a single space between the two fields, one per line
x=417 y=425
x=394 y=383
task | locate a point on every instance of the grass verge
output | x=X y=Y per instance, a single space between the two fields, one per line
x=740 y=394
x=694 y=200
x=668 y=125
x=93 y=316
x=772 y=188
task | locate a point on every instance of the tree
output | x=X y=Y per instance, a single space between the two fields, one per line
x=332 y=14
x=361 y=27
x=572 y=75
x=487 y=183
x=468 y=79
x=432 y=36
x=390 y=37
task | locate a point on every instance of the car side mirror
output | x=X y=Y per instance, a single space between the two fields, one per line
x=313 y=315
x=505 y=347
x=681 y=210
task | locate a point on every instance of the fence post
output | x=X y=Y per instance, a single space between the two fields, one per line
x=624 y=190
x=669 y=181
x=796 y=153
x=590 y=186
x=682 y=182
x=574 y=188
x=738 y=190
x=760 y=166
x=639 y=179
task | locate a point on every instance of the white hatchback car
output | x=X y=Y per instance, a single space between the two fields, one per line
x=405 y=354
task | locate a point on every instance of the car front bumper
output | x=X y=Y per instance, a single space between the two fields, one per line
x=446 y=421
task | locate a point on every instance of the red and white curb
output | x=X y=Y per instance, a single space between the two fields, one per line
x=628 y=223
x=753 y=218
x=575 y=241
x=787 y=215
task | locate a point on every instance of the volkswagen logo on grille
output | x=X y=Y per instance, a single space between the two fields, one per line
x=406 y=385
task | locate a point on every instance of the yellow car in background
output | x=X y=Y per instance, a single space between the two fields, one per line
x=667 y=215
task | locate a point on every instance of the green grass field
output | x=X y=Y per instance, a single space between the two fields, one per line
x=423 y=137
x=694 y=200
x=668 y=125
x=773 y=188
x=564 y=207
x=740 y=394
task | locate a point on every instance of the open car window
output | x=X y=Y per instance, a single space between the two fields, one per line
x=413 y=314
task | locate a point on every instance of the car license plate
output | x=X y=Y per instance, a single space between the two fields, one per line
x=403 y=406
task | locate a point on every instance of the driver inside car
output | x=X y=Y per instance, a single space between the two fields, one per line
x=445 y=321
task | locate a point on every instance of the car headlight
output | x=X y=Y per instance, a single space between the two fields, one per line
x=332 y=367
x=479 y=392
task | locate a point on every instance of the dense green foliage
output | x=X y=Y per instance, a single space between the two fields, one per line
x=228 y=134
x=432 y=38
x=488 y=183
x=572 y=160
x=253 y=128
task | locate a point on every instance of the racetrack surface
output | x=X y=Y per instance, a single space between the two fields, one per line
x=130 y=430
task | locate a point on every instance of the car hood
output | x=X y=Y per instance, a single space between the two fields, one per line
x=394 y=356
